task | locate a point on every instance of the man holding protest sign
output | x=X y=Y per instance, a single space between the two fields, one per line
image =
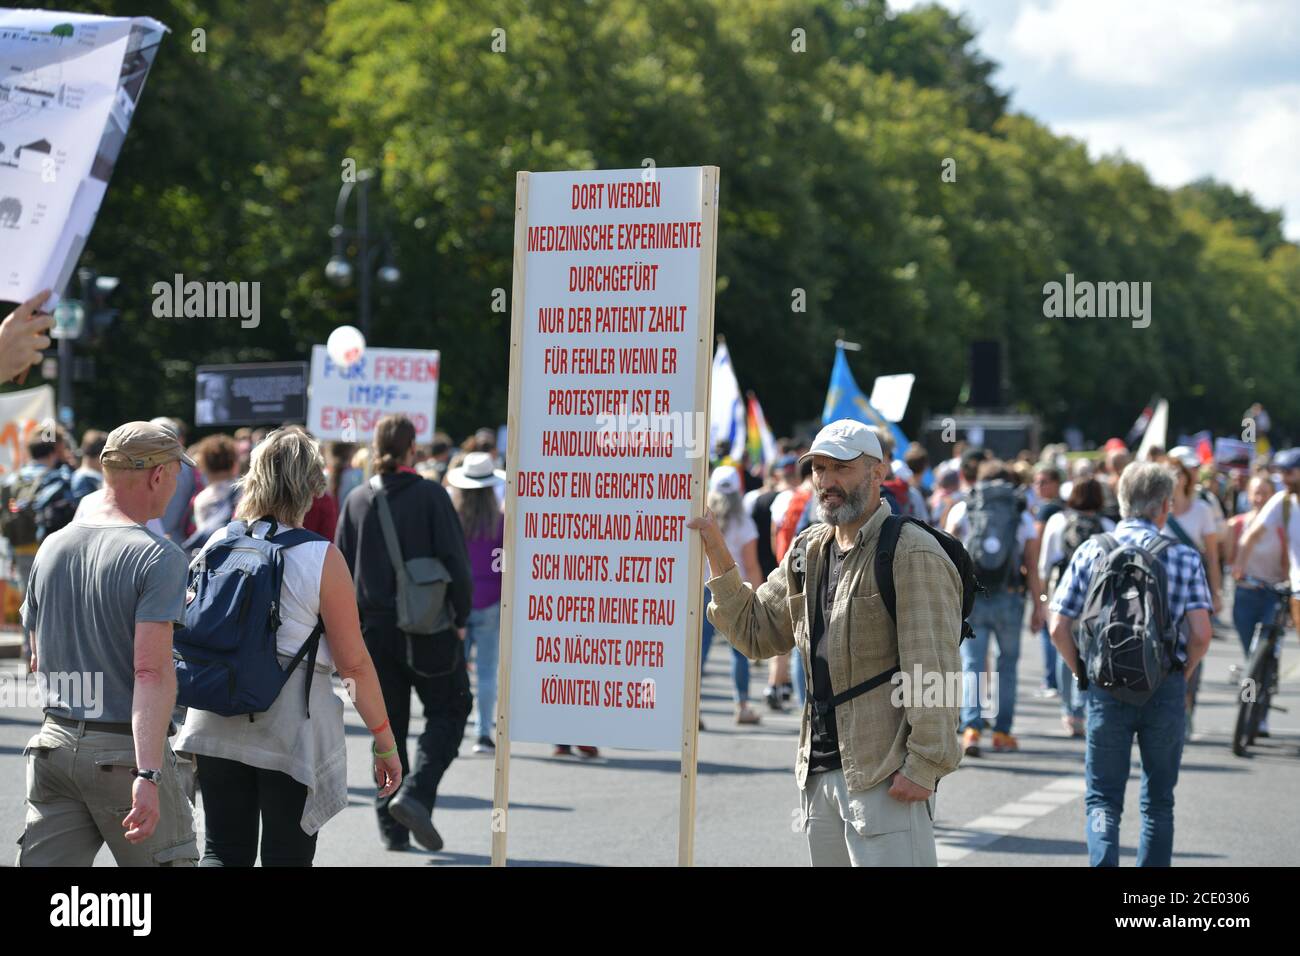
x=867 y=767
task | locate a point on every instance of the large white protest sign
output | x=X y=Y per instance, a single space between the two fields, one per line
x=69 y=85
x=346 y=402
x=21 y=413
x=612 y=331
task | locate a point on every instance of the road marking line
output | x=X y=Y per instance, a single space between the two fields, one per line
x=956 y=843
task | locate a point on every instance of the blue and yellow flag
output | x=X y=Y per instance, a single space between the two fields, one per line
x=845 y=400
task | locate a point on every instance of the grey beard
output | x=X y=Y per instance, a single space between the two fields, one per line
x=855 y=503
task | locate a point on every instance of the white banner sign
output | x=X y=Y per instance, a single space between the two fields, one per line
x=609 y=444
x=20 y=415
x=345 y=402
x=890 y=396
x=69 y=85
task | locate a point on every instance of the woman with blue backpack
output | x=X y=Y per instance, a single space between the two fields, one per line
x=263 y=722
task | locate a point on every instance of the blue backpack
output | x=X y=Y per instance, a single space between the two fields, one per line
x=225 y=654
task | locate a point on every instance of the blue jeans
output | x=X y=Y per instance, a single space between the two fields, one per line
x=1159 y=727
x=1002 y=614
x=1050 y=669
x=1251 y=606
x=483 y=632
x=739 y=662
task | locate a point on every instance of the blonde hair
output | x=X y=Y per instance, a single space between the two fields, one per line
x=286 y=473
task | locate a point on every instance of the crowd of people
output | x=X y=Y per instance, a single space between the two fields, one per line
x=103 y=533
x=1040 y=531
x=103 y=536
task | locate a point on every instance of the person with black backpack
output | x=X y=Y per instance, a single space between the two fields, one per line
x=870 y=599
x=270 y=614
x=403 y=541
x=1063 y=533
x=996 y=526
x=1131 y=617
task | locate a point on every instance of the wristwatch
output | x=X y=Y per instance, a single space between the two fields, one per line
x=153 y=776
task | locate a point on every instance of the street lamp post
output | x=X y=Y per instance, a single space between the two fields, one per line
x=70 y=323
x=338 y=270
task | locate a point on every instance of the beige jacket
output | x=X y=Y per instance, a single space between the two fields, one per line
x=876 y=737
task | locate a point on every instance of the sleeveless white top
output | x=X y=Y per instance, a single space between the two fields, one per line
x=299 y=596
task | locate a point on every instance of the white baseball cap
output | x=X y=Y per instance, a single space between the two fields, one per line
x=845 y=440
x=725 y=480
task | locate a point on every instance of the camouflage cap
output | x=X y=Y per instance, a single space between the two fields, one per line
x=138 y=445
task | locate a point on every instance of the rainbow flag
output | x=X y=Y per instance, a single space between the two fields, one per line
x=760 y=446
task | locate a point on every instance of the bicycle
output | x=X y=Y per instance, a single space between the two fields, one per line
x=1259 y=684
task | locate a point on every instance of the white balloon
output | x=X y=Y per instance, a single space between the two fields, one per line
x=346 y=345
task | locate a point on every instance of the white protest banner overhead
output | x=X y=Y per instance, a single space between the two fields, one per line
x=21 y=413
x=608 y=427
x=345 y=402
x=69 y=85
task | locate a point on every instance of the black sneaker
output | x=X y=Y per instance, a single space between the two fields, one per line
x=485 y=746
x=773 y=697
x=416 y=817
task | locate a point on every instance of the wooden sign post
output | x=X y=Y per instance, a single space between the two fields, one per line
x=608 y=453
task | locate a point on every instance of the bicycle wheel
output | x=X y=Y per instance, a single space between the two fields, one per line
x=1250 y=713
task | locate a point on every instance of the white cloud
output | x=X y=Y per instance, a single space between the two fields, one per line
x=1187 y=88
x=1152 y=44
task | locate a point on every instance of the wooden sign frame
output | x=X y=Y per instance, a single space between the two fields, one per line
x=699 y=478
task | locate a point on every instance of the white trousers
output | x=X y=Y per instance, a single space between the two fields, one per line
x=869 y=828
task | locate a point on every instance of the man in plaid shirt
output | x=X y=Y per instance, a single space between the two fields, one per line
x=1145 y=496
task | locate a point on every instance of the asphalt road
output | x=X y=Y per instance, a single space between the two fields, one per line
x=1022 y=809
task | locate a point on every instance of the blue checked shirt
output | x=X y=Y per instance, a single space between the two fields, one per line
x=1188 y=589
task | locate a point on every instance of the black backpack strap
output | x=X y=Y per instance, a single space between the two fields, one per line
x=296 y=536
x=857 y=690
x=885 y=546
x=1159 y=546
x=1108 y=543
x=270 y=531
x=308 y=651
x=821 y=710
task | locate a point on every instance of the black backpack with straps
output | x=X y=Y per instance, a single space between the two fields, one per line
x=884 y=566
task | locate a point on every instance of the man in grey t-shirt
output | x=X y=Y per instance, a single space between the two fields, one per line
x=104 y=596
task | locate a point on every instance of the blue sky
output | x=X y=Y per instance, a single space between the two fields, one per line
x=1187 y=88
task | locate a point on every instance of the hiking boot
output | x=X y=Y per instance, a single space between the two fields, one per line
x=970 y=742
x=746 y=715
x=416 y=817
x=588 y=753
x=1004 y=742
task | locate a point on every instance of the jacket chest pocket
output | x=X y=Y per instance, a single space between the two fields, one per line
x=873 y=646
